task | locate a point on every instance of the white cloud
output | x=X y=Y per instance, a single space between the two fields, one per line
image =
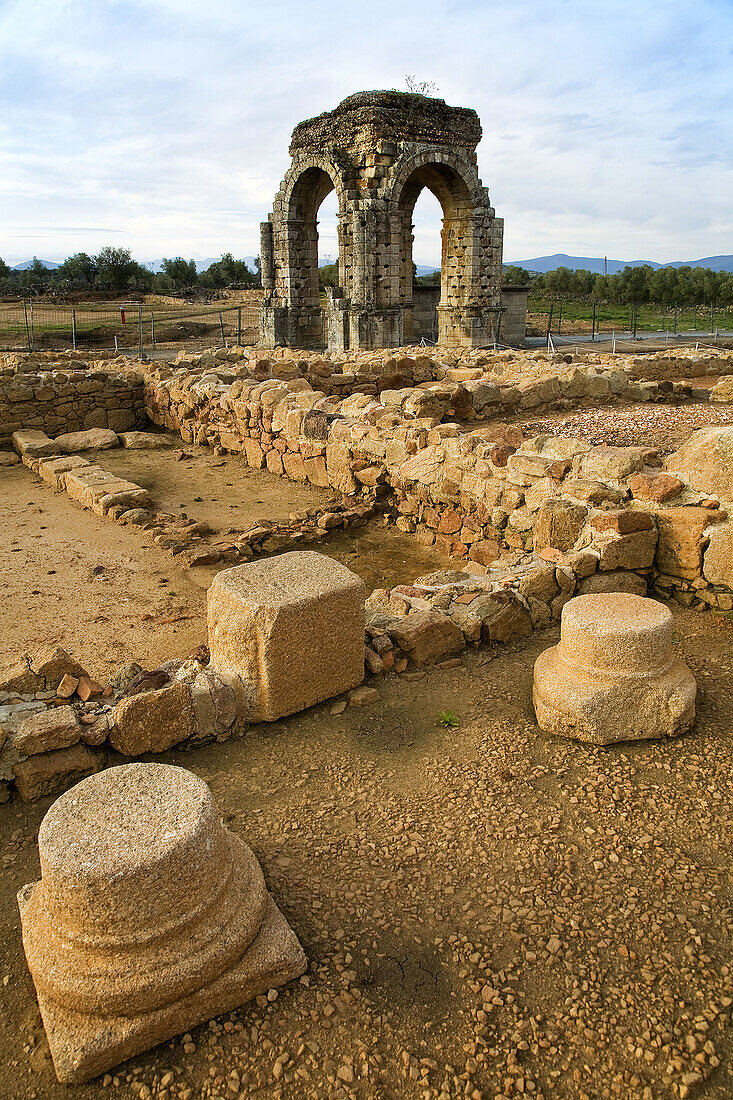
x=165 y=125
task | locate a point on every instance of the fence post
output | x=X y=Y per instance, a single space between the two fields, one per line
x=549 y=322
x=221 y=326
x=73 y=328
x=152 y=327
x=712 y=317
x=239 y=328
x=33 y=335
x=559 y=320
x=594 y=322
x=140 y=326
x=675 y=319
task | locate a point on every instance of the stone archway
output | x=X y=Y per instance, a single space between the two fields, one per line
x=470 y=289
x=289 y=254
x=379 y=149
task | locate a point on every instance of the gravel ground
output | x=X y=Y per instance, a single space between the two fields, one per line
x=488 y=911
x=664 y=427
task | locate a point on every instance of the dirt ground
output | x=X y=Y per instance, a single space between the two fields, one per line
x=487 y=911
x=110 y=595
x=222 y=491
x=664 y=427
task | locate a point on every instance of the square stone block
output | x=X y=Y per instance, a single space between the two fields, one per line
x=291 y=628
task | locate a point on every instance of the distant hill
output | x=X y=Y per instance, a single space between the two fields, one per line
x=595 y=263
x=28 y=264
x=201 y=265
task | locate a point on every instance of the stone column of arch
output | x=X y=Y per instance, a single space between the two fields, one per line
x=379 y=150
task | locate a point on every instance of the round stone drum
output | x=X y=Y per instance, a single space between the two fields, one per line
x=149 y=917
x=613 y=676
x=144 y=896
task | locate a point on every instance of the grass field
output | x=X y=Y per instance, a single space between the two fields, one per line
x=41 y=325
x=575 y=317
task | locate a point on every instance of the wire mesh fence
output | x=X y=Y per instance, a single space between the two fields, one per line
x=600 y=320
x=31 y=325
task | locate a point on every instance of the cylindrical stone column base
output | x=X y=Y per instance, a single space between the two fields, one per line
x=613 y=676
x=149 y=917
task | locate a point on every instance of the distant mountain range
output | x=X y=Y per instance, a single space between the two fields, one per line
x=595 y=263
x=537 y=263
x=28 y=264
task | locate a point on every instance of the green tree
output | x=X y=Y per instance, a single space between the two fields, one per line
x=117 y=271
x=516 y=276
x=79 y=271
x=114 y=268
x=181 y=273
x=433 y=278
x=328 y=275
x=4 y=269
x=228 y=272
x=35 y=279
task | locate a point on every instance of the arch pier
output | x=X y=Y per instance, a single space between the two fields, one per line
x=378 y=150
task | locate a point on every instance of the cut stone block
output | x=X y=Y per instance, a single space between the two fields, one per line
x=144 y=441
x=428 y=636
x=683 y=537
x=34 y=444
x=53 y=663
x=53 y=470
x=706 y=462
x=290 y=628
x=94 y=488
x=558 y=524
x=614 y=676
x=718 y=561
x=94 y=439
x=56 y=728
x=153 y=720
x=149 y=918
x=49 y=773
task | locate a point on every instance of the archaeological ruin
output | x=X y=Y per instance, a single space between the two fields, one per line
x=367 y=704
x=378 y=150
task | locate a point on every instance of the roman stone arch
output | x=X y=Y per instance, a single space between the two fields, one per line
x=289 y=251
x=470 y=295
x=378 y=150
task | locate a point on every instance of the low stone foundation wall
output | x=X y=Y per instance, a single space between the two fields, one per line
x=59 y=401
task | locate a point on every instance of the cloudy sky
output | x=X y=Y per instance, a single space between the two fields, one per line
x=163 y=125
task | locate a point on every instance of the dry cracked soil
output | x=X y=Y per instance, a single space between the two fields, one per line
x=486 y=911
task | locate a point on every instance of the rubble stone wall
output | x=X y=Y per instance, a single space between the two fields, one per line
x=59 y=401
x=471 y=492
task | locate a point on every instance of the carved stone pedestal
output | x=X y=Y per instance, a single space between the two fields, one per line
x=149 y=918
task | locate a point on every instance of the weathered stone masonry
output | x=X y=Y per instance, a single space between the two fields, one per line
x=378 y=150
x=69 y=400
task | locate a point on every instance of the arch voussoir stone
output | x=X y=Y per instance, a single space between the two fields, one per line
x=378 y=150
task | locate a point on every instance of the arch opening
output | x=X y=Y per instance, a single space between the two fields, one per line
x=307 y=198
x=456 y=259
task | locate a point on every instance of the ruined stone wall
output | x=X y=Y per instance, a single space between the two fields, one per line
x=514 y=315
x=425 y=300
x=58 y=401
x=471 y=493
